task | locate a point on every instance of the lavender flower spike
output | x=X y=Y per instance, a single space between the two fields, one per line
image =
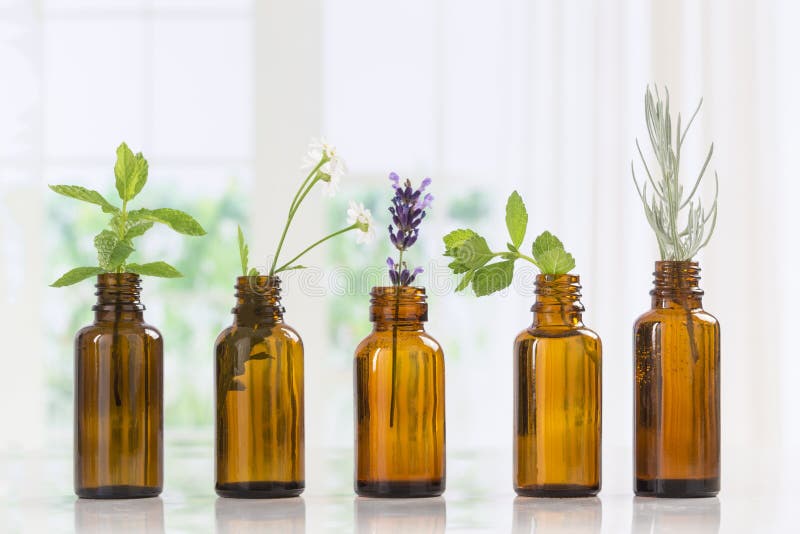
x=408 y=209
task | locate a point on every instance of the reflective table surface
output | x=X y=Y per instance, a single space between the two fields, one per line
x=37 y=497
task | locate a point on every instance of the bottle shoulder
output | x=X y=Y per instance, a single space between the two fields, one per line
x=275 y=331
x=382 y=340
x=124 y=328
x=668 y=315
x=558 y=332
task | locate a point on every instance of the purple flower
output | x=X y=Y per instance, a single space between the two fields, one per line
x=408 y=210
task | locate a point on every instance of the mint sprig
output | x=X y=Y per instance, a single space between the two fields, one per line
x=114 y=244
x=472 y=256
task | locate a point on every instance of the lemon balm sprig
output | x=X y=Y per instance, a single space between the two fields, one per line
x=473 y=258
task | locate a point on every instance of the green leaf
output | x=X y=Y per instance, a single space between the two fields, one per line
x=137 y=228
x=178 y=220
x=252 y=272
x=456 y=238
x=516 y=218
x=111 y=251
x=130 y=171
x=470 y=254
x=549 y=253
x=156 y=268
x=464 y=283
x=87 y=195
x=76 y=275
x=243 y=251
x=493 y=278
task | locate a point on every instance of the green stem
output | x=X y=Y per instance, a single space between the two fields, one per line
x=296 y=201
x=334 y=234
x=529 y=259
x=394 y=344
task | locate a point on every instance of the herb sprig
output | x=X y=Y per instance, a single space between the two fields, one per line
x=472 y=256
x=114 y=244
x=327 y=169
x=666 y=202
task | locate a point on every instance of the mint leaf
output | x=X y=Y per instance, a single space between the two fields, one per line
x=516 y=218
x=76 y=275
x=130 y=171
x=470 y=254
x=178 y=220
x=252 y=272
x=456 y=238
x=156 y=268
x=137 y=228
x=549 y=253
x=243 y=251
x=111 y=251
x=492 y=278
x=87 y=195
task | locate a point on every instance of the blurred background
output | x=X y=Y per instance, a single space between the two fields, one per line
x=484 y=97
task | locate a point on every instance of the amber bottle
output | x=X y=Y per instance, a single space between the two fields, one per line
x=557 y=396
x=118 y=396
x=259 y=397
x=399 y=400
x=676 y=397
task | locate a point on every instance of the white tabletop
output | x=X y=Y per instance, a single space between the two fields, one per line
x=36 y=497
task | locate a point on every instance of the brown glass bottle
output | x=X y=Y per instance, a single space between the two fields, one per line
x=260 y=445
x=118 y=396
x=557 y=396
x=399 y=400
x=676 y=397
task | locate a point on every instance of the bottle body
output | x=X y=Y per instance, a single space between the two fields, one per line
x=557 y=397
x=260 y=443
x=399 y=401
x=677 y=398
x=118 y=440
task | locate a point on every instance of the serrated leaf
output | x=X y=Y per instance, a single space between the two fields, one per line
x=111 y=251
x=456 y=238
x=492 y=278
x=516 y=218
x=137 y=228
x=465 y=280
x=130 y=171
x=178 y=220
x=156 y=268
x=243 y=251
x=76 y=275
x=86 y=195
x=549 y=253
x=470 y=254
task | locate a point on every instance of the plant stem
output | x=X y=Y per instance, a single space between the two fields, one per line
x=394 y=344
x=298 y=198
x=334 y=234
x=529 y=259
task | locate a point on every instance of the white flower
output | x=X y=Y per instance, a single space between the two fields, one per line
x=358 y=214
x=330 y=173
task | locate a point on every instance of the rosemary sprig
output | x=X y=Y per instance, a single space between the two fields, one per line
x=666 y=203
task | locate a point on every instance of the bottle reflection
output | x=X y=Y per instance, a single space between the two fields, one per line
x=124 y=515
x=681 y=516
x=557 y=516
x=384 y=516
x=287 y=516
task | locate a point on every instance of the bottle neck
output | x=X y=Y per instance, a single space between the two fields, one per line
x=557 y=301
x=118 y=298
x=400 y=307
x=676 y=285
x=258 y=301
